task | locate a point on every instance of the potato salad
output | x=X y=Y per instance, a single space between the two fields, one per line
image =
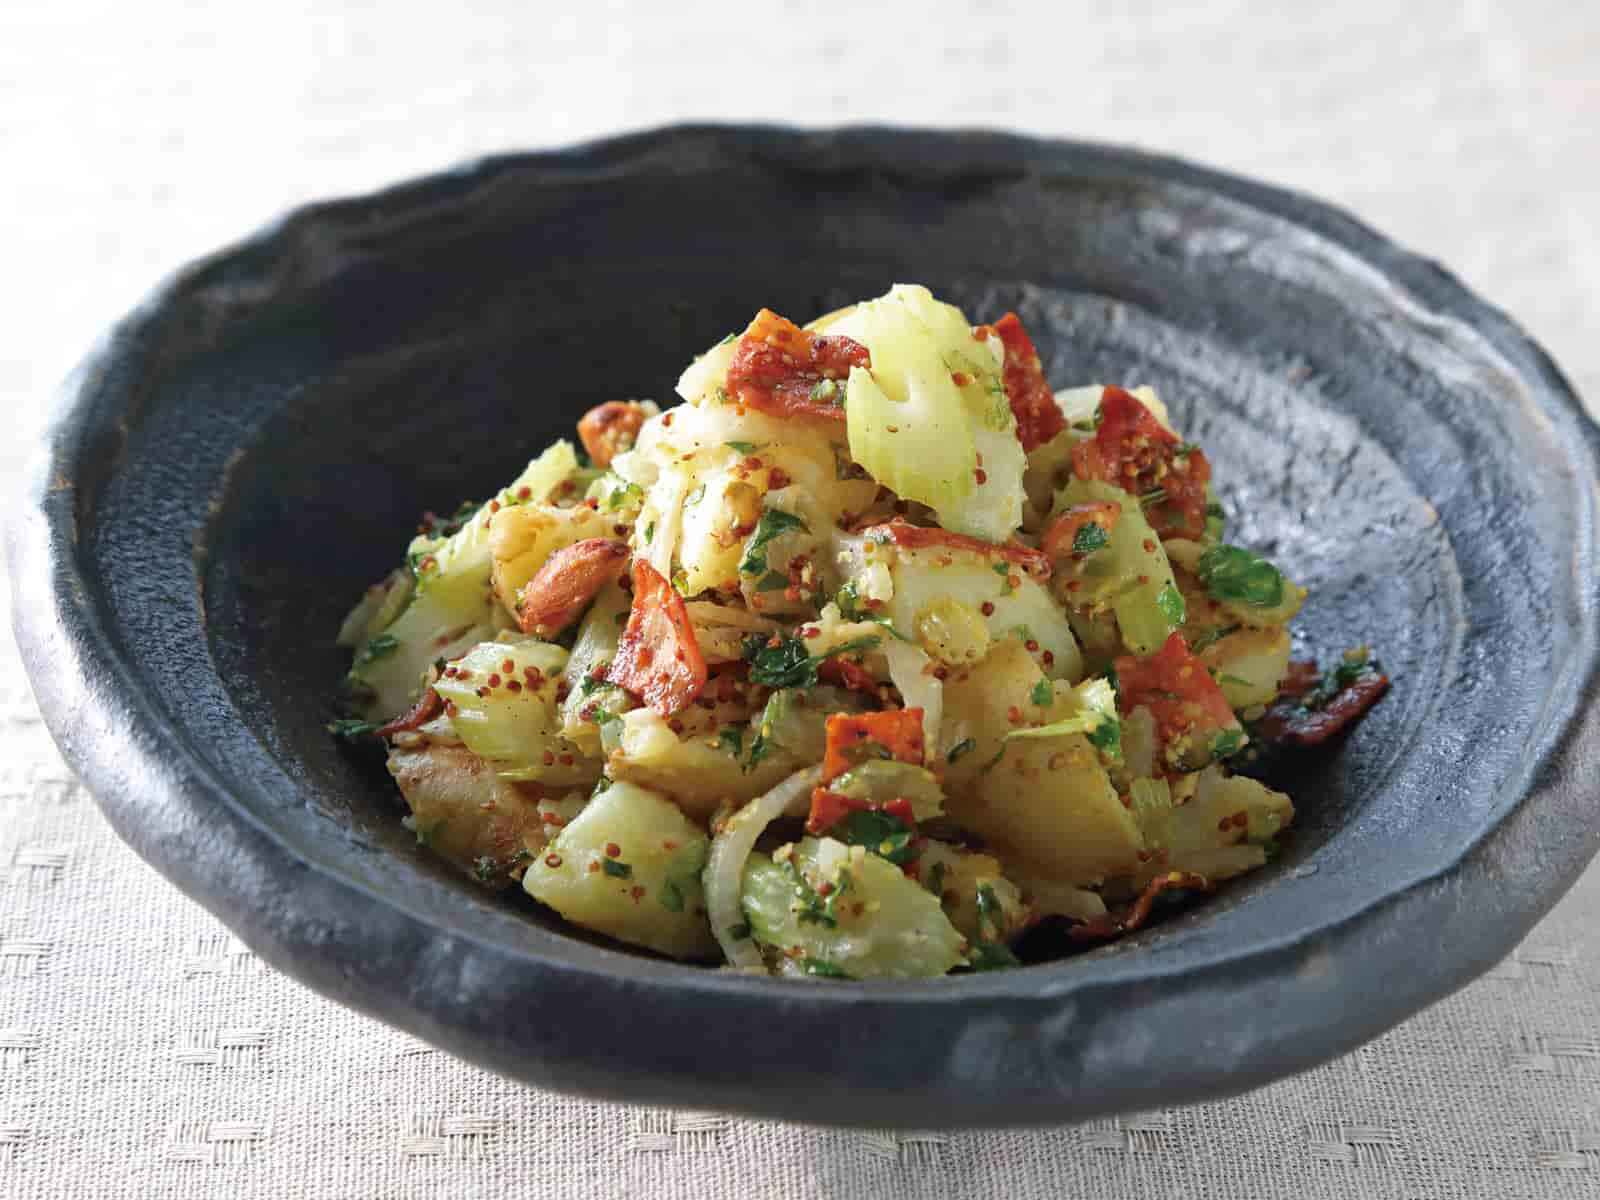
x=868 y=657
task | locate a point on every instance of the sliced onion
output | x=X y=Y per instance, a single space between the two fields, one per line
x=730 y=849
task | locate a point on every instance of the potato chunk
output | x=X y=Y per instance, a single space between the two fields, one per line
x=628 y=866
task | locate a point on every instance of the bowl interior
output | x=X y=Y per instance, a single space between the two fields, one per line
x=264 y=436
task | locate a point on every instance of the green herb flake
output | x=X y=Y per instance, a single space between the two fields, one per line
x=615 y=869
x=1043 y=694
x=1211 y=637
x=1089 y=538
x=352 y=730
x=741 y=447
x=1230 y=573
x=788 y=664
x=649 y=533
x=826 y=391
x=1107 y=736
x=485 y=869
x=732 y=740
x=992 y=956
x=380 y=646
x=1170 y=601
x=773 y=522
x=964 y=746
x=1227 y=742
x=882 y=834
x=823 y=969
x=671 y=897
x=773 y=582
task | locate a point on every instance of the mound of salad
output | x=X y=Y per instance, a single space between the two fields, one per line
x=869 y=657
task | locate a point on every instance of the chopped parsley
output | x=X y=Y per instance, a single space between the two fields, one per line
x=671 y=896
x=351 y=730
x=378 y=647
x=882 y=834
x=732 y=740
x=649 y=532
x=853 y=608
x=1089 y=538
x=1211 y=637
x=810 y=905
x=1042 y=693
x=1227 y=742
x=615 y=869
x=824 y=969
x=1234 y=574
x=741 y=447
x=622 y=497
x=990 y=953
x=788 y=664
x=773 y=522
x=827 y=391
x=1107 y=736
x=773 y=582
x=1170 y=601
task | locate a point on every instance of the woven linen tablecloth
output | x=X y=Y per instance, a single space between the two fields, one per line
x=146 y=1053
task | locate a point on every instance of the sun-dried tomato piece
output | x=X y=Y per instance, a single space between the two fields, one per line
x=842 y=672
x=917 y=537
x=1303 y=675
x=1317 y=713
x=853 y=737
x=658 y=659
x=785 y=371
x=1133 y=451
x=428 y=706
x=1114 y=926
x=570 y=578
x=609 y=429
x=1032 y=402
x=1189 y=708
x=1062 y=537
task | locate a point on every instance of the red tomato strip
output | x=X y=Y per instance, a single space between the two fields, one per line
x=916 y=537
x=428 y=706
x=1177 y=689
x=658 y=659
x=897 y=730
x=1032 y=402
x=1135 y=452
x=1108 y=926
x=780 y=369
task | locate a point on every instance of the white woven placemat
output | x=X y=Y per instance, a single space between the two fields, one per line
x=143 y=1053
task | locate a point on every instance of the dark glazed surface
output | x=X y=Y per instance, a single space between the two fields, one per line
x=248 y=450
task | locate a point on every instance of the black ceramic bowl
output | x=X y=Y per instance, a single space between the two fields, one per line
x=247 y=449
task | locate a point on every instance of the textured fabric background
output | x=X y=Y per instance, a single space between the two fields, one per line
x=143 y=1053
